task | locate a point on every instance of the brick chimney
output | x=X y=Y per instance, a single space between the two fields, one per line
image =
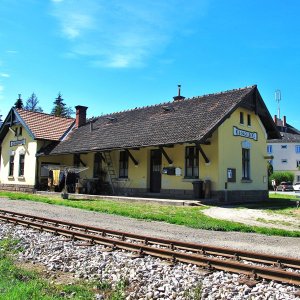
x=80 y=115
x=179 y=97
x=284 y=121
x=275 y=119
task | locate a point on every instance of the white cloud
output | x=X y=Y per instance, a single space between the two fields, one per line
x=4 y=75
x=122 y=34
x=1 y=88
x=12 y=51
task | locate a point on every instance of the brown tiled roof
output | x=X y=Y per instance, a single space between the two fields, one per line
x=188 y=120
x=44 y=126
x=289 y=134
x=286 y=137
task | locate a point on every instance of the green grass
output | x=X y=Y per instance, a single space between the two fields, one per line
x=188 y=216
x=17 y=283
x=276 y=222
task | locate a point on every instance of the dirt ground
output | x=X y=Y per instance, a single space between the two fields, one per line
x=255 y=217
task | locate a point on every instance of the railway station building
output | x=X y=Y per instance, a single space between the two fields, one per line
x=211 y=146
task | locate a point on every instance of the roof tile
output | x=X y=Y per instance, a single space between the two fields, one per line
x=45 y=126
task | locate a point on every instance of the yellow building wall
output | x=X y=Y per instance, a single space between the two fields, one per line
x=29 y=149
x=230 y=153
x=224 y=151
x=139 y=176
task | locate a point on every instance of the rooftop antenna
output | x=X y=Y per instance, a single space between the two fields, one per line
x=278 y=99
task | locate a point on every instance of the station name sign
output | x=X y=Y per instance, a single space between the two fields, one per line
x=17 y=143
x=244 y=133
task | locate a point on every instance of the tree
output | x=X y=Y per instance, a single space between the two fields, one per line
x=19 y=103
x=60 y=109
x=270 y=169
x=32 y=103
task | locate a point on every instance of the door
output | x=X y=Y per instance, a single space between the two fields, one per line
x=155 y=171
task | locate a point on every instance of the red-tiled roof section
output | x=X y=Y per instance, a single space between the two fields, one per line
x=45 y=126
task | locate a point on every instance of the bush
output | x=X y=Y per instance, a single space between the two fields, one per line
x=281 y=176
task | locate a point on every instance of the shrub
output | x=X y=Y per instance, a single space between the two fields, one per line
x=281 y=176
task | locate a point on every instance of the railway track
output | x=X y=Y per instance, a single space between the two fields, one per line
x=254 y=265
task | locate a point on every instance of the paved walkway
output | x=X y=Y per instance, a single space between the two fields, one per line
x=245 y=241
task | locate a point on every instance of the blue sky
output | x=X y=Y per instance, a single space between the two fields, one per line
x=116 y=55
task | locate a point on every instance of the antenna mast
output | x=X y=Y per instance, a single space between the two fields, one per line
x=278 y=99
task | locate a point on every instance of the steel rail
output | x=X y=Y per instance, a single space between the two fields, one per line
x=202 y=260
x=198 y=248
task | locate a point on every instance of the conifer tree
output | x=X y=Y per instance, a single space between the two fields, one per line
x=19 y=103
x=32 y=103
x=60 y=109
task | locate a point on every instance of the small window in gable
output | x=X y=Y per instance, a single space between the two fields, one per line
x=284 y=161
x=283 y=146
x=249 y=120
x=241 y=118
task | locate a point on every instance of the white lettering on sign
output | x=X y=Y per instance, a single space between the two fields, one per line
x=17 y=143
x=244 y=133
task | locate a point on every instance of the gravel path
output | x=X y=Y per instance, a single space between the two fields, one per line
x=245 y=241
x=254 y=217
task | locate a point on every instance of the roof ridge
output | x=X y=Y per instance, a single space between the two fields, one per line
x=172 y=101
x=43 y=113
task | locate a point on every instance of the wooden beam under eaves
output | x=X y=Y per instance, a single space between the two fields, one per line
x=199 y=148
x=165 y=154
x=132 y=158
x=84 y=164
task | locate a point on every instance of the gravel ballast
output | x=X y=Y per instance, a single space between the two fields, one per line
x=146 y=277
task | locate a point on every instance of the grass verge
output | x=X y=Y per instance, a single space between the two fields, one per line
x=188 y=216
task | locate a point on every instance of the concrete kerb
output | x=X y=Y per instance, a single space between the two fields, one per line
x=175 y=202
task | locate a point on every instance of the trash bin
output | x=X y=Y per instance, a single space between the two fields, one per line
x=207 y=189
x=198 y=189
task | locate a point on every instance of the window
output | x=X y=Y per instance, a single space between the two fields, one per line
x=283 y=146
x=11 y=165
x=21 y=164
x=297 y=148
x=298 y=178
x=191 y=162
x=76 y=160
x=284 y=161
x=249 y=120
x=269 y=149
x=97 y=165
x=241 y=118
x=298 y=163
x=245 y=163
x=123 y=164
x=18 y=131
